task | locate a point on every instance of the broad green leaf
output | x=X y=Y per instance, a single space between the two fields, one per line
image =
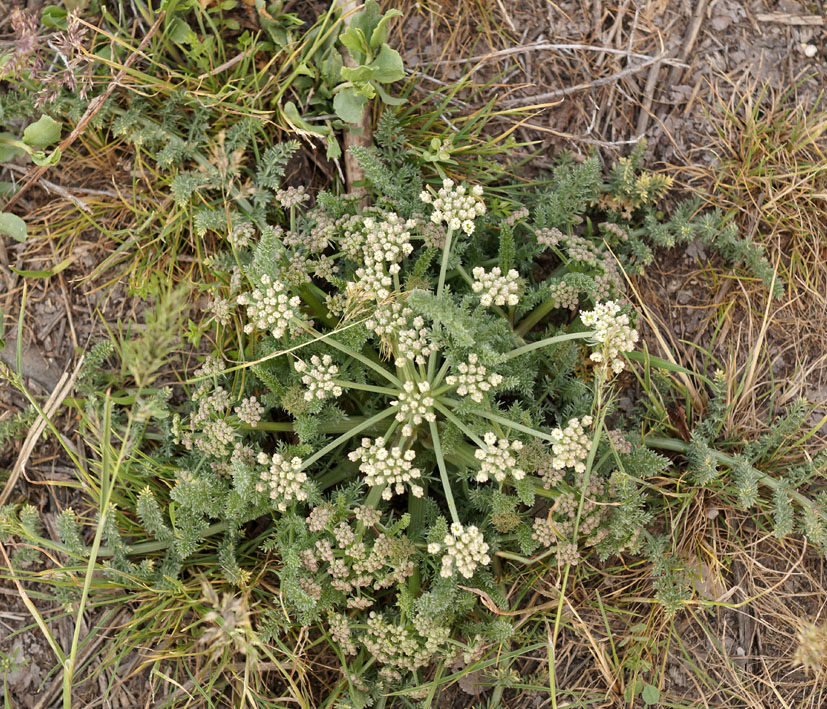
x=54 y=16
x=380 y=33
x=7 y=188
x=9 y=152
x=13 y=226
x=367 y=20
x=349 y=105
x=388 y=65
x=42 y=133
x=354 y=39
x=180 y=32
x=334 y=150
x=650 y=695
x=359 y=73
x=293 y=116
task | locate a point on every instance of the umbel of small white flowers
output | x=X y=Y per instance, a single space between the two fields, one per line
x=571 y=445
x=497 y=460
x=465 y=549
x=270 y=307
x=391 y=469
x=284 y=480
x=414 y=404
x=473 y=379
x=613 y=334
x=319 y=377
x=455 y=205
x=495 y=288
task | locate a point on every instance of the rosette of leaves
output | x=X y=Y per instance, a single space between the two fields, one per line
x=376 y=64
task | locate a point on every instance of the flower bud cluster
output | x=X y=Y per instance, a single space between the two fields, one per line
x=465 y=550
x=473 y=379
x=549 y=236
x=241 y=234
x=270 y=307
x=414 y=404
x=563 y=295
x=613 y=334
x=249 y=411
x=221 y=309
x=402 y=647
x=394 y=320
x=543 y=532
x=340 y=633
x=571 y=445
x=283 y=480
x=352 y=565
x=215 y=438
x=455 y=205
x=319 y=378
x=495 y=288
x=292 y=196
x=498 y=460
x=391 y=468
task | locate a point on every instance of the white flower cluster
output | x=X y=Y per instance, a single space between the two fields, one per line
x=496 y=288
x=613 y=334
x=250 y=411
x=392 y=469
x=270 y=307
x=319 y=379
x=414 y=404
x=465 y=549
x=455 y=205
x=395 y=320
x=388 y=240
x=497 y=460
x=384 y=244
x=571 y=445
x=473 y=379
x=284 y=479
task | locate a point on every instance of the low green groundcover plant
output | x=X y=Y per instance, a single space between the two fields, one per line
x=408 y=394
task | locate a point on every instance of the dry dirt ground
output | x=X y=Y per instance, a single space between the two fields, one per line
x=599 y=76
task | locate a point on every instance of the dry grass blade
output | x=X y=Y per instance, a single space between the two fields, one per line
x=61 y=391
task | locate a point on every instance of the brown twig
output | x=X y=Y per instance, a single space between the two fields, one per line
x=362 y=136
x=95 y=105
x=689 y=42
x=550 y=95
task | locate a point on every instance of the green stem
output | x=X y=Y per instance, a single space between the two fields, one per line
x=678 y=446
x=378 y=368
x=536 y=315
x=367 y=387
x=446 y=252
x=443 y=473
x=548 y=341
x=508 y=422
x=459 y=424
x=367 y=423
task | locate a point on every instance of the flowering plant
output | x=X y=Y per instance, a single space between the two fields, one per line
x=405 y=407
